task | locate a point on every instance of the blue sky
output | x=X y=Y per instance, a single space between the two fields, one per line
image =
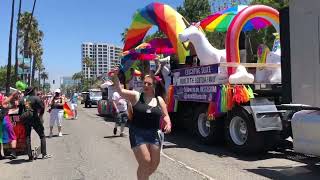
x=68 y=23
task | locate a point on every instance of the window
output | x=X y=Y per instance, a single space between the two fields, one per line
x=99 y=45
x=100 y=56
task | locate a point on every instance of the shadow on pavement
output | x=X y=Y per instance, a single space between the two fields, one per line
x=18 y=161
x=288 y=172
x=56 y=136
x=180 y=139
x=111 y=137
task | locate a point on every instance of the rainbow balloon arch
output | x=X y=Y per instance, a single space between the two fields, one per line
x=233 y=34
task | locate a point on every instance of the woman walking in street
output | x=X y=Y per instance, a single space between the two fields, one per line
x=144 y=128
x=56 y=112
x=121 y=115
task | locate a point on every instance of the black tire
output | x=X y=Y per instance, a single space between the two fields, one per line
x=215 y=134
x=254 y=143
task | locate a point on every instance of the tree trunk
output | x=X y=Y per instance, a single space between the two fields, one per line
x=33 y=71
x=17 y=41
x=44 y=80
x=39 y=71
x=9 y=51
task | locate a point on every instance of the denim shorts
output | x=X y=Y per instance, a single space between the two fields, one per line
x=139 y=136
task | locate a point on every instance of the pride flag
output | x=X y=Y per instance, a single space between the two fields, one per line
x=68 y=113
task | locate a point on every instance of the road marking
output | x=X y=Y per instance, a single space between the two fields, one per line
x=187 y=167
x=184 y=165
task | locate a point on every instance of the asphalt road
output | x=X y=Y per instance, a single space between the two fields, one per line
x=88 y=150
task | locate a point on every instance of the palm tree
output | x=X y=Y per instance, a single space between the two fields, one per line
x=88 y=62
x=30 y=37
x=9 y=51
x=40 y=68
x=37 y=58
x=17 y=40
x=78 y=77
x=43 y=76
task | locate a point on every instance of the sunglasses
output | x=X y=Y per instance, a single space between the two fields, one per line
x=147 y=84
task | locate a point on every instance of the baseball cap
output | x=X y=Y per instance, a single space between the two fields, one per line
x=57 y=91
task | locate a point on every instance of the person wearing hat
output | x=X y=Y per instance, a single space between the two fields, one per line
x=56 y=114
x=30 y=109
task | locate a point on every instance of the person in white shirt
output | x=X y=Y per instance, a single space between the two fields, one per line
x=121 y=113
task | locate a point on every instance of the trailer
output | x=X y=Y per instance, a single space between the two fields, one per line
x=278 y=110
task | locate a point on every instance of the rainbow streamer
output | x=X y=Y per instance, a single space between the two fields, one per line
x=211 y=111
x=175 y=106
x=171 y=99
x=262 y=53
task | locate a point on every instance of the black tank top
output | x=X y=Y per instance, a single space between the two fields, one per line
x=145 y=116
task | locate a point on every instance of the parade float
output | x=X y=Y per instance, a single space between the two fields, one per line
x=225 y=98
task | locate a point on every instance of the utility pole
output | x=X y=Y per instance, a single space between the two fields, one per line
x=27 y=40
x=8 y=80
x=16 y=66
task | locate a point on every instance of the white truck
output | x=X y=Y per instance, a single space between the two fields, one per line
x=291 y=108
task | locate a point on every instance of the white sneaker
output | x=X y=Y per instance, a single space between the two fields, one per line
x=60 y=134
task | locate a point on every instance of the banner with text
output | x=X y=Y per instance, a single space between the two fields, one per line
x=195 y=83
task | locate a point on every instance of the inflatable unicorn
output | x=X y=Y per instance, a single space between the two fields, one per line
x=211 y=55
x=205 y=51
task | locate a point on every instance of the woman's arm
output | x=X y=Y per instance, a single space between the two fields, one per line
x=6 y=102
x=165 y=114
x=130 y=95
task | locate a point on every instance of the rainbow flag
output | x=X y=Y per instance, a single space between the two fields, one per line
x=68 y=113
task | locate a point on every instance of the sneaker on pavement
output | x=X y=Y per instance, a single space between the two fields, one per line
x=60 y=134
x=47 y=156
x=114 y=131
x=50 y=135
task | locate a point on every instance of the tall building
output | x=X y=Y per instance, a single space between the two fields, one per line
x=66 y=81
x=104 y=57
